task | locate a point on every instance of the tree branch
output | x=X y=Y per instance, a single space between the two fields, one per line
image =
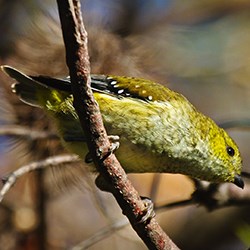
x=102 y=234
x=26 y=133
x=75 y=39
x=213 y=197
x=10 y=180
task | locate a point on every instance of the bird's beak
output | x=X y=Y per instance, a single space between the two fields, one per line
x=238 y=181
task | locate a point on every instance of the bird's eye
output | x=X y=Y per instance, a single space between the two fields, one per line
x=230 y=151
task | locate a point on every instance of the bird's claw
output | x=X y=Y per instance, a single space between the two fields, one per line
x=114 y=145
x=149 y=212
x=88 y=158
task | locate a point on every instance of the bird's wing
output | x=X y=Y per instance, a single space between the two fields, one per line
x=118 y=86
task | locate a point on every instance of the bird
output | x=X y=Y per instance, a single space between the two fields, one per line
x=159 y=130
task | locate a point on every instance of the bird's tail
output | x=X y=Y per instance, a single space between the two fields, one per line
x=32 y=90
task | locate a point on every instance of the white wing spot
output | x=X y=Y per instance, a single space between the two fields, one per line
x=13 y=87
x=120 y=91
x=113 y=82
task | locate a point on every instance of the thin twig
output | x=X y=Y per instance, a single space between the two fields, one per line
x=75 y=39
x=155 y=185
x=27 y=133
x=176 y=204
x=10 y=180
x=102 y=234
x=220 y=204
x=224 y=196
x=231 y=124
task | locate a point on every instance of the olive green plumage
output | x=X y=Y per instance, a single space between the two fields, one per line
x=159 y=129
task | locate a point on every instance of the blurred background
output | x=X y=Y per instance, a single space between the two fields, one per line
x=197 y=47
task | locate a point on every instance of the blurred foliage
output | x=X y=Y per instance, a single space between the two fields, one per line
x=243 y=233
x=198 y=47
